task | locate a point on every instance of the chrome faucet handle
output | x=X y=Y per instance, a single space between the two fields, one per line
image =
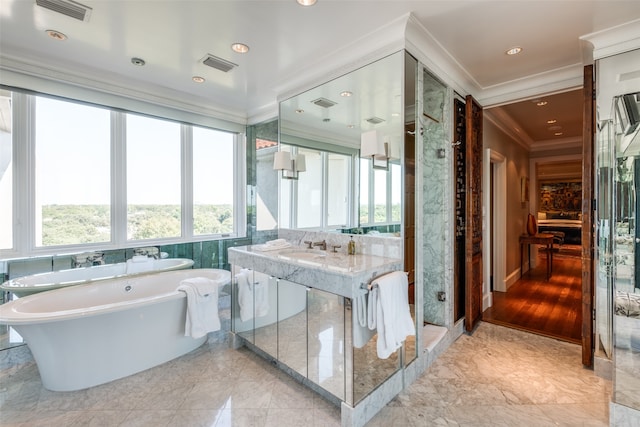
x=334 y=247
x=323 y=245
x=309 y=244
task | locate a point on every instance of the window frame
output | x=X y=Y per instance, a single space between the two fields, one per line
x=389 y=196
x=23 y=158
x=352 y=188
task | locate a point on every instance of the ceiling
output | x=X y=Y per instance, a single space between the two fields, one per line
x=288 y=42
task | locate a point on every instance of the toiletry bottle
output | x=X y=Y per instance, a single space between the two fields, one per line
x=352 y=247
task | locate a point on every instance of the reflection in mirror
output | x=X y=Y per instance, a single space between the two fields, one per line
x=331 y=119
x=625 y=130
x=320 y=197
x=341 y=190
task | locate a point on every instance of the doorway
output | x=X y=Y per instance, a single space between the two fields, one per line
x=531 y=302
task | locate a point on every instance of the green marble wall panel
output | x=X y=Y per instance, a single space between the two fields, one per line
x=436 y=189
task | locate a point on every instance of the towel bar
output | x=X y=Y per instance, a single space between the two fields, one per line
x=369 y=286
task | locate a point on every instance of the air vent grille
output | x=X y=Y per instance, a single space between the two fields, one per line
x=218 y=63
x=67 y=7
x=374 y=120
x=324 y=102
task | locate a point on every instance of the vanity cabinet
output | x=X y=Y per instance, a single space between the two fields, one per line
x=292 y=326
x=301 y=327
x=265 y=304
x=326 y=341
x=308 y=328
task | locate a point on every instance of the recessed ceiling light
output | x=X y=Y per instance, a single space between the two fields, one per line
x=552 y=121
x=306 y=2
x=240 y=47
x=514 y=50
x=138 y=61
x=198 y=79
x=345 y=93
x=558 y=133
x=541 y=103
x=56 y=35
x=299 y=111
x=395 y=114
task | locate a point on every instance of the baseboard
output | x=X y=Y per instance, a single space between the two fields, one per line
x=512 y=278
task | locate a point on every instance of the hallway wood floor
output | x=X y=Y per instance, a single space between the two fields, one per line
x=550 y=308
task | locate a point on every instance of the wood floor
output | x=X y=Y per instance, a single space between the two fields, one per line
x=551 y=308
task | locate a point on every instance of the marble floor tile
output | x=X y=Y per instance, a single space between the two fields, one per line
x=495 y=377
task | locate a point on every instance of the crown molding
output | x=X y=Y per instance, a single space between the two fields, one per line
x=371 y=47
x=557 y=144
x=555 y=81
x=420 y=43
x=612 y=41
x=19 y=71
x=509 y=127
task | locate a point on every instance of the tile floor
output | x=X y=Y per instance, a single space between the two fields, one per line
x=497 y=377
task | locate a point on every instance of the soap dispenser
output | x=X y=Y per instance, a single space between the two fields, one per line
x=351 y=249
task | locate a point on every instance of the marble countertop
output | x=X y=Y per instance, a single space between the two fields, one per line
x=337 y=273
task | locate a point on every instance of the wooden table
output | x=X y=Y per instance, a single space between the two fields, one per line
x=539 y=239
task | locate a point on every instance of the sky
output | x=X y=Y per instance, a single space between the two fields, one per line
x=66 y=176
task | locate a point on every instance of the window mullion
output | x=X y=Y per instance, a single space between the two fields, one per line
x=372 y=192
x=23 y=110
x=324 y=221
x=186 y=144
x=118 y=178
x=240 y=184
x=389 y=194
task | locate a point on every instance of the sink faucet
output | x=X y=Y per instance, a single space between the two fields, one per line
x=323 y=245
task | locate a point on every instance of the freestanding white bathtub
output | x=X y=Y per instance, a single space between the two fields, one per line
x=90 y=334
x=27 y=285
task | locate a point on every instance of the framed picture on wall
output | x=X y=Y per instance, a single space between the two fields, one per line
x=524 y=189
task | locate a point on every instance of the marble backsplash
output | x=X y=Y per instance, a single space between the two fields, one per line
x=388 y=247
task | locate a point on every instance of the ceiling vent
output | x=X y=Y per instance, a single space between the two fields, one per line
x=218 y=63
x=324 y=102
x=67 y=7
x=374 y=120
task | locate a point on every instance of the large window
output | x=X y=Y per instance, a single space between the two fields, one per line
x=154 y=197
x=380 y=194
x=213 y=160
x=72 y=173
x=100 y=178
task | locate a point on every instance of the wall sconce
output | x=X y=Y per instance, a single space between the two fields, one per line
x=372 y=145
x=289 y=166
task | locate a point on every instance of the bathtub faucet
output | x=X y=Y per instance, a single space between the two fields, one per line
x=88 y=259
x=151 y=252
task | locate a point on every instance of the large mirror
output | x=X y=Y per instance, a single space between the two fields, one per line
x=618 y=279
x=338 y=188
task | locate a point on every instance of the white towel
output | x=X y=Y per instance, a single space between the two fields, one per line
x=274 y=247
x=276 y=242
x=245 y=294
x=393 y=318
x=361 y=333
x=261 y=294
x=202 y=306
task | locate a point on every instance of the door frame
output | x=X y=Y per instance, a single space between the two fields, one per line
x=495 y=256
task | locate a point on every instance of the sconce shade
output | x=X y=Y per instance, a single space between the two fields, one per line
x=301 y=163
x=282 y=160
x=372 y=145
x=290 y=167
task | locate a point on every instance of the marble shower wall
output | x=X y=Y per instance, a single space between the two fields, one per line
x=437 y=205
